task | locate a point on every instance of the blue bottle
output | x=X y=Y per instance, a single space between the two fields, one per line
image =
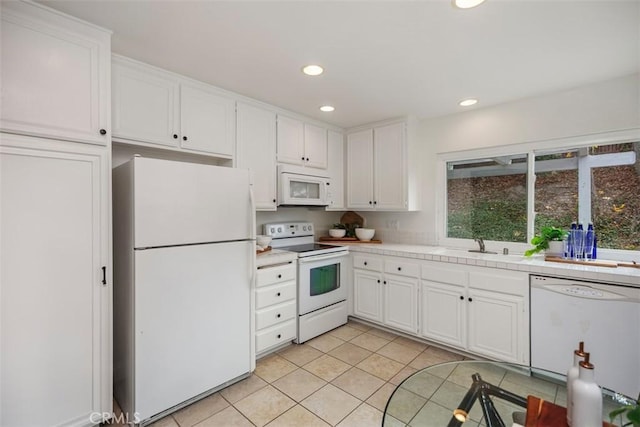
x=594 y=252
x=589 y=239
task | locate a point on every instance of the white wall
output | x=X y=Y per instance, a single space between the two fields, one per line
x=601 y=107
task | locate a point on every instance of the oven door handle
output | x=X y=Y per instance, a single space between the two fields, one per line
x=322 y=257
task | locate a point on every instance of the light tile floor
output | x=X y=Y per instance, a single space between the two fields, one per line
x=342 y=378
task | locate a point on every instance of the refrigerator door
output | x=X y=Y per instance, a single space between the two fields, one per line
x=192 y=321
x=180 y=203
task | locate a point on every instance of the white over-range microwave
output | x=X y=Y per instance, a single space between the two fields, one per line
x=298 y=186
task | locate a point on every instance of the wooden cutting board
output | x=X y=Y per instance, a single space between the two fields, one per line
x=347 y=240
x=594 y=263
x=351 y=217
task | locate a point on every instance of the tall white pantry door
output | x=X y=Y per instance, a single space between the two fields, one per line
x=54 y=308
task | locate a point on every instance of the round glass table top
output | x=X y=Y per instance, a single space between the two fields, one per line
x=430 y=396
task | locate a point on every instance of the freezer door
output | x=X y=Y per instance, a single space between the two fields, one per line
x=192 y=321
x=181 y=203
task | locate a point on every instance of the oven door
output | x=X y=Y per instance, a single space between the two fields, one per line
x=321 y=281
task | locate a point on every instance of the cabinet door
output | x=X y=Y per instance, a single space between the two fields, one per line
x=495 y=323
x=145 y=105
x=443 y=313
x=290 y=141
x=401 y=303
x=257 y=152
x=315 y=146
x=55 y=75
x=367 y=295
x=390 y=188
x=54 y=310
x=207 y=121
x=335 y=191
x=360 y=170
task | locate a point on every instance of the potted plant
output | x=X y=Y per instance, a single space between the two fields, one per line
x=550 y=239
x=632 y=412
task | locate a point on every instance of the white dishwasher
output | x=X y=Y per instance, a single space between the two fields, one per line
x=605 y=316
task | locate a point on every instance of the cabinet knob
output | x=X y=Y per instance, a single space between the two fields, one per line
x=175 y=136
x=279 y=276
x=378 y=280
x=103 y=131
x=328 y=183
x=370 y=202
x=302 y=158
x=470 y=299
x=375 y=202
x=399 y=268
x=307 y=159
x=278 y=294
x=461 y=297
x=365 y=263
x=278 y=315
x=384 y=283
x=184 y=138
x=279 y=336
x=274 y=200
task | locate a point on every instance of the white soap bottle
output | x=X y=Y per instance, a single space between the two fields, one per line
x=572 y=374
x=587 y=397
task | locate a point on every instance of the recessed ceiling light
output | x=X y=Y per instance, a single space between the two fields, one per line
x=327 y=108
x=467 y=4
x=468 y=102
x=313 y=70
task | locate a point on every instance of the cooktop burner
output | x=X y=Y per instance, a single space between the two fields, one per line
x=308 y=247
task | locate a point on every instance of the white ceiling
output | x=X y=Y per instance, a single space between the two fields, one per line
x=383 y=59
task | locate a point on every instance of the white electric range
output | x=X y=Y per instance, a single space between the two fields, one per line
x=322 y=293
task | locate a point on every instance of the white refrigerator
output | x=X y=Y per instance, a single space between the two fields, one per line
x=184 y=256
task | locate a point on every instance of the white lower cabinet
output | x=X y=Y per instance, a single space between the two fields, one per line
x=389 y=299
x=480 y=310
x=443 y=313
x=276 y=306
x=55 y=284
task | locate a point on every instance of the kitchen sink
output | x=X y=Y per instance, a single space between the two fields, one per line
x=487 y=256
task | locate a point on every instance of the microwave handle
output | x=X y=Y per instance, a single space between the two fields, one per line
x=322 y=257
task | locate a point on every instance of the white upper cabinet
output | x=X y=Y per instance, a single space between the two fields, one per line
x=256 y=151
x=55 y=75
x=145 y=105
x=335 y=168
x=157 y=107
x=207 y=121
x=301 y=143
x=360 y=170
x=382 y=168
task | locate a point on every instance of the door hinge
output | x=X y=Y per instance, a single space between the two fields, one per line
x=104 y=275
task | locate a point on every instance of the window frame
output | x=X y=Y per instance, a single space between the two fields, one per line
x=530 y=149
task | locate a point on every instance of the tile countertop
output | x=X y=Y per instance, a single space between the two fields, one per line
x=274 y=256
x=533 y=265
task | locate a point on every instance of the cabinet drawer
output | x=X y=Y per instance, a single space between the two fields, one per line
x=279 y=334
x=276 y=314
x=367 y=263
x=436 y=272
x=401 y=268
x=281 y=273
x=275 y=294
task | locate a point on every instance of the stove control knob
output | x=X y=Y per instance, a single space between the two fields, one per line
x=272 y=230
x=304 y=228
x=279 y=229
x=309 y=228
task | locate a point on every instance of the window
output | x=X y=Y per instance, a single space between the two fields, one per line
x=488 y=198
x=494 y=197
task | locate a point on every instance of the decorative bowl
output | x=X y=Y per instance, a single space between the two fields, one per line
x=365 y=234
x=337 y=232
x=263 y=240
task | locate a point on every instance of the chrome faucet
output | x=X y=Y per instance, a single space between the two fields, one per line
x=481 y=243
